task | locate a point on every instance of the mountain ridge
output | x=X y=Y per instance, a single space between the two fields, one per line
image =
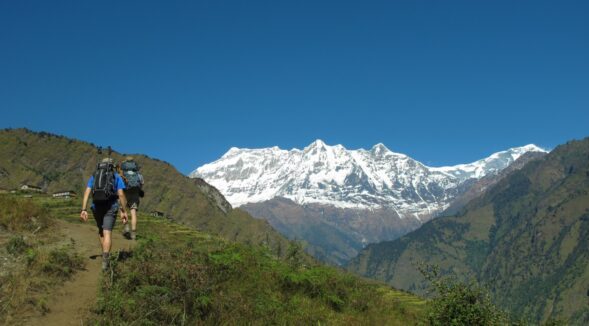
x=340 y=200
x=344 y=178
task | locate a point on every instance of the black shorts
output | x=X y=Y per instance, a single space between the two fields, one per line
x=132 y=196
x=105 y=215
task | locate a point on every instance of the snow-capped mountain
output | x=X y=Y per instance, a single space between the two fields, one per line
x=360 y=179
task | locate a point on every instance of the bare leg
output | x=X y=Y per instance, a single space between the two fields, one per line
x=105 y=244
x=106 y=241
x=133 y=219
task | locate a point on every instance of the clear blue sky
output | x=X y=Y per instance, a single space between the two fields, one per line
x=445 y=82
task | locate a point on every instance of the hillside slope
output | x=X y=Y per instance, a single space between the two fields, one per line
x=526 y=239
x=481 y=185
x=57 y=163
x=173 y=275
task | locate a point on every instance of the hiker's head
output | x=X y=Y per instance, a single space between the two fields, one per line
x=107 y=160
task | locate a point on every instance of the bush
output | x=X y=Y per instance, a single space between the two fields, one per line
x=16 y=246
x=460 y=303
x=61 y=263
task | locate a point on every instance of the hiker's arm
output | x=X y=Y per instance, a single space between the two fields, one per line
x=84 y=212
x=123 y=201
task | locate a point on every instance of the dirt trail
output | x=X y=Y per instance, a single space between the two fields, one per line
x=69 y=304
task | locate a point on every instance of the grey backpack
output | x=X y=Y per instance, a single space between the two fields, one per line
x=133 y=179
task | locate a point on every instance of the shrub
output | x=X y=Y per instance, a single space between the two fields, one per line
x=61 y=263
x=16 y=246
x=460 y=303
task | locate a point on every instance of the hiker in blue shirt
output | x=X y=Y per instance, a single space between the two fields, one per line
x=106 y=187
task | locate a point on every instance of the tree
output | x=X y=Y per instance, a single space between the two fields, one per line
x=458 y=303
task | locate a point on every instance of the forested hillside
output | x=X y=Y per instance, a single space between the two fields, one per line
x=526 y=239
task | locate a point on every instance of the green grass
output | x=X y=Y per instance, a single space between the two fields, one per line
x=35 y=262
x=180 y=276
x=177 y=275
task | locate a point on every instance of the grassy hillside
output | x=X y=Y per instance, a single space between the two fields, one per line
x=177 y=275
x=57 y=163
x=526 y=239
x=34 y=260
x=209 y=280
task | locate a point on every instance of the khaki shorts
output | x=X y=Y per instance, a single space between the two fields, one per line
x=132 y=196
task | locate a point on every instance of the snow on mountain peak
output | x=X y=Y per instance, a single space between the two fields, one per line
x=344 y=178
x=379 y=149
x=317 y=143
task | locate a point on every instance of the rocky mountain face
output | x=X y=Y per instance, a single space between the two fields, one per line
x=332 y=234
x=346 y=198
x=525 y=238
x=56 y=163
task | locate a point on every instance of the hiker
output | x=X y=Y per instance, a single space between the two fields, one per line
x=106 y=186
x=129 y=169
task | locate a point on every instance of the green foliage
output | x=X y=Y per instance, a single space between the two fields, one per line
x=61 y=263
x=320 y=282
x=526 y=238
x=295 y=254
x=31 y=255
x=177 y=277
x=459 y=303
x=16 y=246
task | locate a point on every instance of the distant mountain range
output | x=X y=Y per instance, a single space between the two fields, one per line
x=333 y=175
x=346 y=198
x=526 y=238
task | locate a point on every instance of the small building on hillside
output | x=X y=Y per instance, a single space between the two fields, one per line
x=157 y=214
x=31 y=188
x=66 y=194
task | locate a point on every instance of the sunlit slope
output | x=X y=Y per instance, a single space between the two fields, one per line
x=57 y=163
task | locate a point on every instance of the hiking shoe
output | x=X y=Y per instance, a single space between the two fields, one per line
x=133 y=235
x=105 y=261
